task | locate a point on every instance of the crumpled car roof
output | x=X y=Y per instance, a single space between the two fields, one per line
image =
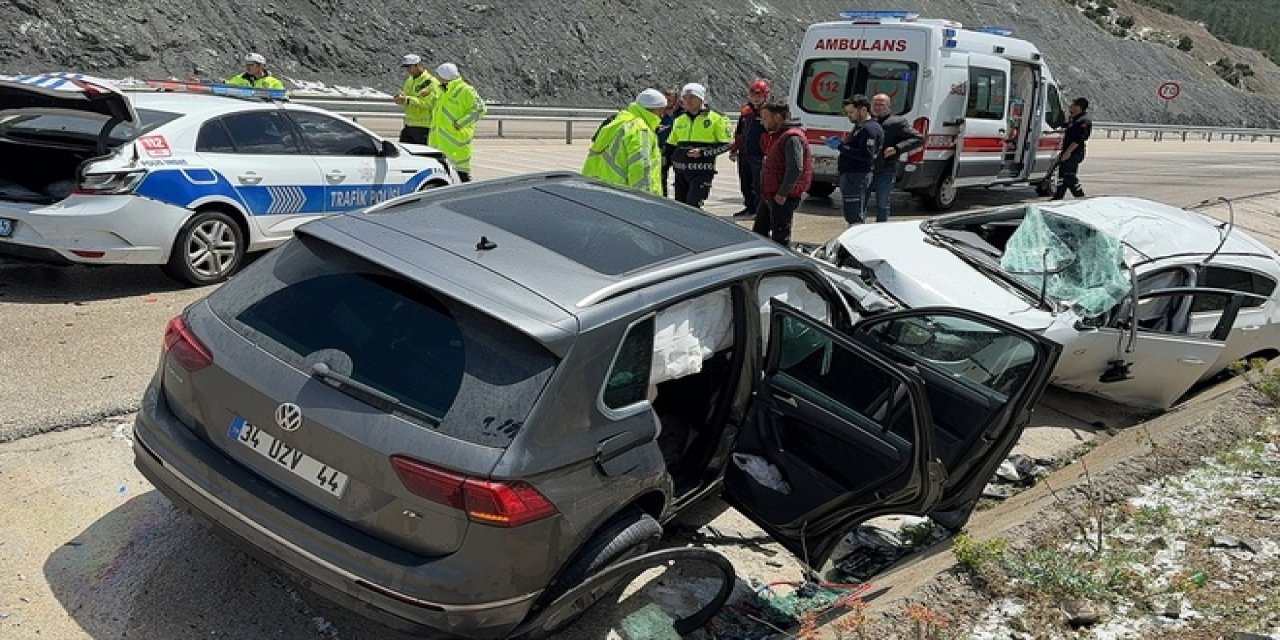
x=1154 y=229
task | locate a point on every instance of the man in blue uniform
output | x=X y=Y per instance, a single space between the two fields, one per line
x=1077 y=132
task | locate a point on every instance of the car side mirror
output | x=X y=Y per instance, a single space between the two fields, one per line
x=389 y=149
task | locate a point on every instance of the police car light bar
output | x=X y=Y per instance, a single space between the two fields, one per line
x=219 y=89
x=876 y=16
x=995 y=31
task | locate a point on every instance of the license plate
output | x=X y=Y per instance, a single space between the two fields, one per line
x=300 y=464
x=6 y=227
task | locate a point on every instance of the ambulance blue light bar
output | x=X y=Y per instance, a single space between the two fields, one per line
x=870 y=16
x=995 y=31
x=949 y=39
x=219 y=89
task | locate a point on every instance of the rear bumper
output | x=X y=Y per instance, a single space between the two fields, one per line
x=238 y=505
x=124 y=229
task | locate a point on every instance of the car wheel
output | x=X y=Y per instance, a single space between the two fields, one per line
x=821 y=189
x=1044 y=187
x=943 y=195
x=626 y=536
x=209 y=249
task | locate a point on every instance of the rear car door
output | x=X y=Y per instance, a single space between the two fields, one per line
x=980 y=148
x=846 y=428
x=356 y=174
x=256 y=158
x=1148 y=358
x=836 y=434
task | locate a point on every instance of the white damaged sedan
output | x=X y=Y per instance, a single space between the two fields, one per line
x=1146 y=299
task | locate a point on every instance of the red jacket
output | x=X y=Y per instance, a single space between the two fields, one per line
x=775 y=163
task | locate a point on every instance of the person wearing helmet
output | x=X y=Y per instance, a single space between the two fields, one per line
x=255 y=74
x=625 y=150
x=746 y=150
x=454 y=115
x=697 y=137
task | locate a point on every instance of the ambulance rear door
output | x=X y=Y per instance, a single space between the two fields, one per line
x=981 y=144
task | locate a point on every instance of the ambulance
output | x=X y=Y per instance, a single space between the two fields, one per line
x=985 y=102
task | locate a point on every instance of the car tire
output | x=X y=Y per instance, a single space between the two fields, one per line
x=821 y=189
x=209 y=248
x=1044 y=188
x=943 y=194
x=626 y=536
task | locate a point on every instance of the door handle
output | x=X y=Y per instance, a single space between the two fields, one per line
x=1197 y=362
x=785 y=398
x=336 y=176
x=249 y=177
x=1252 y=327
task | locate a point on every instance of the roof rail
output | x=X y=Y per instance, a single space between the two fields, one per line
x=868 y=15
x=674 y=271
x=219 y=89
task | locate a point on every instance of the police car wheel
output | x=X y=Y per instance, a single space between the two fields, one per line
x=209 y=249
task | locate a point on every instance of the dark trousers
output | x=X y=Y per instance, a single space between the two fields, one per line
x=666 y=174
x=749 y=180
x=415 y=135
x=774 y=220
x=1068 y=176
x=853 y=196
x=882 y=186
x=693 y=187
x=464 y=176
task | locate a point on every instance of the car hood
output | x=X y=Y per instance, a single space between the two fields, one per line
x=920 y=273
x=64 y=91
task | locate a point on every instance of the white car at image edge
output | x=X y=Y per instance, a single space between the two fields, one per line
x=189 y=181
x=1147 y=299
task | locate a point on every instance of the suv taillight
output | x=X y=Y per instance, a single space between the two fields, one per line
x=183 y=345
x=116 y=183
x=502 y=504
x=921 y=125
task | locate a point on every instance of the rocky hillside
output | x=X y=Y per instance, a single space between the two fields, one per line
x=562 y=52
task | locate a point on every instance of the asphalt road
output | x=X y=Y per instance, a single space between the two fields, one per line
x=89 y=550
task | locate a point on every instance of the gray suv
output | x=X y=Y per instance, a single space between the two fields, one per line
x=448 y=410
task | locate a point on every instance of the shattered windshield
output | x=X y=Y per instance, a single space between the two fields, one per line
x=1069 y=261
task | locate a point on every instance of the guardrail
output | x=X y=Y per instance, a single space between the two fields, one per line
x=1158 y=132
x=358 y=108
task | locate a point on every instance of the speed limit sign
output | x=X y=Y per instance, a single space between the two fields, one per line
x=1169 y=90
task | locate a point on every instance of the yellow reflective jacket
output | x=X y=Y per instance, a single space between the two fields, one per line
x=420 y=93
x=625 y=151
x=453 y=121
x=708 y=131
x=265 y=82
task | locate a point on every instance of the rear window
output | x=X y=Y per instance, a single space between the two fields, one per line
x=827 y=82
x=309 y=302
x=81 y=126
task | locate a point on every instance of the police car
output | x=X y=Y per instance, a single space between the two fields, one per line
x=188 y=176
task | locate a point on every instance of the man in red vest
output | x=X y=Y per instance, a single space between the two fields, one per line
x=786 y=174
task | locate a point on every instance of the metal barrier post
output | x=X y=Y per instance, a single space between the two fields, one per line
x=500 y=121
x=568 y=132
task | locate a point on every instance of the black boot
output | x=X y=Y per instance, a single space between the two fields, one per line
x=1060 y=192
x=1077 y=191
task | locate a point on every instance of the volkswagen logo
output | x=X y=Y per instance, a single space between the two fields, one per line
x=289 y=416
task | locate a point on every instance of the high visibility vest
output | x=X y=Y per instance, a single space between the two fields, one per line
x=420 y=93
x=625 y=151
x=708 y=130
x=453 y=121
x=265 y=82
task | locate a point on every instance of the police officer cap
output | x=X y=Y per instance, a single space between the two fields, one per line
x=447 y=71
x=651 y=99
x=410 y=59
x=696 y=90
x=255 y=57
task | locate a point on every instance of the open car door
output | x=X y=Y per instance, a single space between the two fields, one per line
x=910 y=414
x=836 y=435
x=982 y=377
